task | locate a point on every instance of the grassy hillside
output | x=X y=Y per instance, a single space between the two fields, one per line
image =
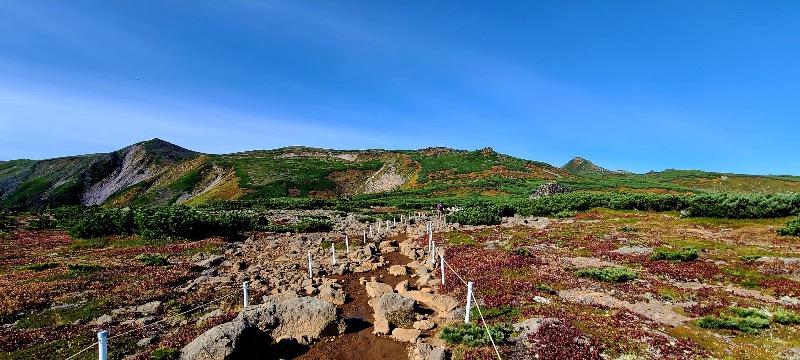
x=158 y=172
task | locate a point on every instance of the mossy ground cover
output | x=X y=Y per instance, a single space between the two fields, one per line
x=52 y=289
x=696 y=268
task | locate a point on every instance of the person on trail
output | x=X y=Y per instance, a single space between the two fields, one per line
x=439 y=208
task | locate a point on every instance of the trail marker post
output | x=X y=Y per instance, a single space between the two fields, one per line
x=102 y=345
x=347 y=245
x=245 y=295
x=469 y=302
x=441 y=262
x=310 y=276
x=333 y=254
x=365 y=238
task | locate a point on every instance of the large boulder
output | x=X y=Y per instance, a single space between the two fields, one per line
x=397 y=309
x=306 y=319
x=219 y=342
x=295 y=320
x=549 y=189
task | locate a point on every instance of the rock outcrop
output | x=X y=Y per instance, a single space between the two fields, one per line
x=549 y=189
x=296 y=320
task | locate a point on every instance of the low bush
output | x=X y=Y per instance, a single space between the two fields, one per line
x=40 y=267
x=152 y=260
x=521 y=251
x=749 y=325
x=313 y=225
x=792 y=228
x=475 y=216
x=473 y=335
x=82 y=269
x=608 y=274
x=746 y=320
x=41 y=223
x=785 y=318
x=688 y=254
x=163 y=353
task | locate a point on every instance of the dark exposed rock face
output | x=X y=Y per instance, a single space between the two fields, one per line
x=549 y=189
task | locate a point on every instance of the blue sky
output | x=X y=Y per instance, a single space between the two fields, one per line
x=635 y=85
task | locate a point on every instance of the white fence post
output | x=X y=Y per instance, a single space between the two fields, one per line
x=102 y=345
x=379 y=227
x=441 y=261
x=333 y=253
x=245 y=295
x=347 y=245
x=310 y=276
x=469 y=302
x=370 y=231
x=365 y=238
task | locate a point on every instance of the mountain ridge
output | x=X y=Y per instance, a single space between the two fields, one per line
x=159 y=172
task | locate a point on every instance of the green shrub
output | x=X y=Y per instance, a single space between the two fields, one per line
x=745 y=313
x=83 y=269
x=749 y=325
x=163 y=353
x=785 y=318
x=687 y=254
x=40 y=267
x=313 y=225
x=152 y=260
x=475 y=216
x=41 y=223
x=473 y=335
x=504 y=312
x=608 y=274
x=792 y=228
x=521 y=251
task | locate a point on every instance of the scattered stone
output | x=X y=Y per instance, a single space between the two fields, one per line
x=330 y=293
x=398 y=270
x=104 y=319
x=402 y=286
x=424 y=325
x=376 y=289
x=145 y=342
x=149 y=308
x=406 y=335
x=381 y=327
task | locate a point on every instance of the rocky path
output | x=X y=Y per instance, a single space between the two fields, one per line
x=359 y=342
x=384 y=291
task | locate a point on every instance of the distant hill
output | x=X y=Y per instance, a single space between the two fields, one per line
x=581 y=166
x=158 y=172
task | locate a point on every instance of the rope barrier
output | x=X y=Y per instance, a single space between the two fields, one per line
x=478 y=306
x=207 y=304
x=84 y=350
x=176 y=315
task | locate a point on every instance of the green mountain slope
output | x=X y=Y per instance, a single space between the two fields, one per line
x=158 y=172
x=581 y=166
